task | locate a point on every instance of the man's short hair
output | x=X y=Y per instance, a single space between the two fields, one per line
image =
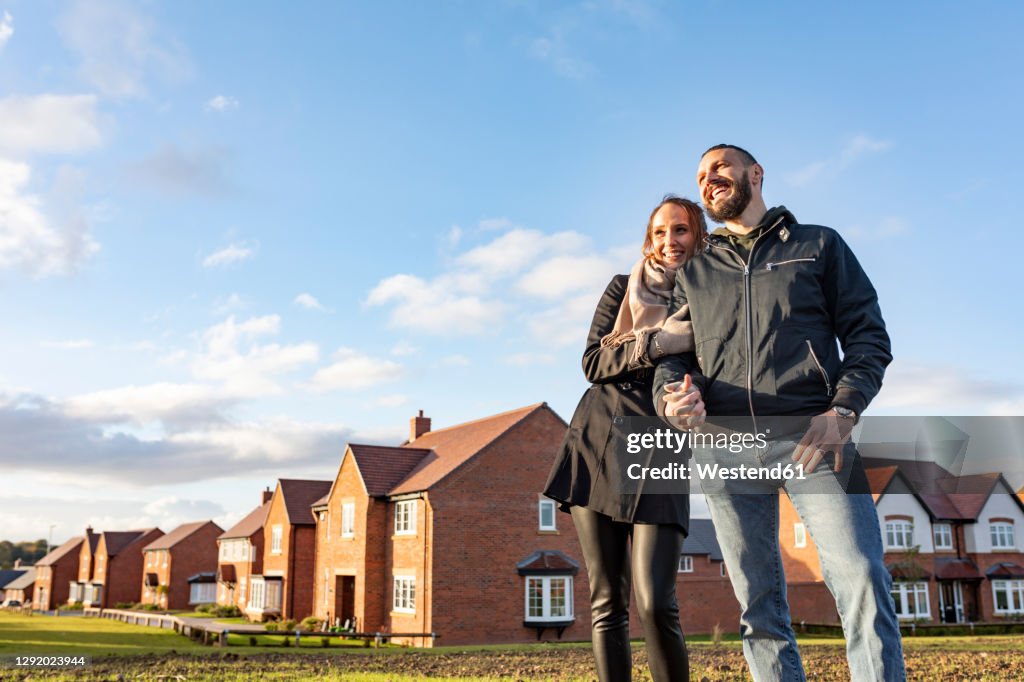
x=748 y=158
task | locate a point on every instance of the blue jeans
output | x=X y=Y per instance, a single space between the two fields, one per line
x=849 y=543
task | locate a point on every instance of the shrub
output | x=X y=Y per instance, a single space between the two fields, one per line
x=288 y=625
x=310 y=624
x=272 y=627
x=77 y=606
x=124 y=605
x=205 y=608
x=252 y=640
x=226 y=611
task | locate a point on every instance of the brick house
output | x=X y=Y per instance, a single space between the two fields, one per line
x=181 y=567
x=952 y=545
x=240 y=556
x=54 y=573
x=117 y=570
x=80 y=588
x=285 y=587
x=449 y=534
x=706 y=599
x=21 y=589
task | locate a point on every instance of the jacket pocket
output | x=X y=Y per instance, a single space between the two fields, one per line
x=821 y=370
x=800 y=364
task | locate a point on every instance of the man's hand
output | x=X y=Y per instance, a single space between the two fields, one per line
x=684 y=406
x=828 y=432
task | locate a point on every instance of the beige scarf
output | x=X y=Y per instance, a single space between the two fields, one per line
x=644 y=307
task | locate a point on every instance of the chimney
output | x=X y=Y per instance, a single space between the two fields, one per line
x=266 y=495
x=418 y=425
x=17 y=563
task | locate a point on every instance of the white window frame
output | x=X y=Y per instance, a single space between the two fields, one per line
x=546 y=505
x=276 y=538
x=911 y=594
x=546 y=611
x=404 y=594
x=899 y=534
x=942 y=535
x=1014 y=591
x=721 y=569
x=202 y=593
x=799 y=535
x=405 y=517
x=1001 y=534
x=685 y=563
x=348 y=519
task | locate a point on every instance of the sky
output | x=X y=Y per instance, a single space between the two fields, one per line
x=235 y=236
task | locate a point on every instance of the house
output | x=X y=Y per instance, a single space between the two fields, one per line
x=10 y=576
x=181 y=567
x=80 y=589
x=54 y=573
x=284 y=589
x=22 y=588
x=952 y=545
x=449 y=534
x=240 y=555
x=706 y=599
x=117 y=570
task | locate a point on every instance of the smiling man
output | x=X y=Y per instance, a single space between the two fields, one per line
x=768 y=299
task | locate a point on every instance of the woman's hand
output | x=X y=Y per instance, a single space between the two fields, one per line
x=675 y=335
x=684 y=406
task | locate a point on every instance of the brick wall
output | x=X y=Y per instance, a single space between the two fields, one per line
x=123 y=572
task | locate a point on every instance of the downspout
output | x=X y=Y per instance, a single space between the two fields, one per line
x=291 y=571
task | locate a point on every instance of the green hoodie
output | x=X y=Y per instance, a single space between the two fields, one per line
x=742 y=242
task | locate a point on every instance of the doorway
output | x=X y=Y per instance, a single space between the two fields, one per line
x=345 y=599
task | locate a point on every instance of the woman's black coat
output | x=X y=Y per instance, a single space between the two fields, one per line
x=590 y=469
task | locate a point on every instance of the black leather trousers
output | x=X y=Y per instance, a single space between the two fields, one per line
x=655 y=561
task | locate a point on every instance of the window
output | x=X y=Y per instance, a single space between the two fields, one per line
x=942 y=534
x=721 y=569
x=548 y=598
x=202 y=593
x=266 y=595
x=275 y=539
x=911 y=600
x=1008 y=596
x=348 y=519
x=686 y=563
x=405 y=517
x=546 y=514
x=799 y=535
x=405 y=595
x=1002 y=534
x=899 y=534
x=241 y=590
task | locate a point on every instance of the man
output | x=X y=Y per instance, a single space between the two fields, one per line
x=768 y=299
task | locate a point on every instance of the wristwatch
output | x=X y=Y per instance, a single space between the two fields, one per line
x=845 y=412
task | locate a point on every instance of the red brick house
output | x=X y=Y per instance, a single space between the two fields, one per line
x=22 y=589
x=706 y=599
x=117 y=570
x=449 y=534
x=953 y=545
x=284 y=589
x=80 y=589
x=240 y=556
x=54 y=573
x=181 y=567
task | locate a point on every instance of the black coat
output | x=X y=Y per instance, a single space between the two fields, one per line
x=589 y=468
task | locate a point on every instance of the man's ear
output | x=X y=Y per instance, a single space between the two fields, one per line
x=757 y=174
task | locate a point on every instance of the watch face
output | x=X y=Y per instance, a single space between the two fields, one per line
x=844 y=411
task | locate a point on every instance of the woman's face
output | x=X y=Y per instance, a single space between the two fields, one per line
x=672 y=236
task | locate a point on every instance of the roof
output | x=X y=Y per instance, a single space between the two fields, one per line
x=116 y=540
x=382 y=468
x=252 y=522
x=299 y=496
x=177 y=535
x=204 y=577
x=72 y=545
x=9 y=575
x=454 y=446
x=226 y=573
x=22 y=582
x=702 y=540
x=1005 y=570
x=94 y=540
x=547 y=562
x=947 y=568
x=903 y=570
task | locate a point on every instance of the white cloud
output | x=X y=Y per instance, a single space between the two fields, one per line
x=495 y=224
x=396 y=400
x=142 y=405
x=183 y=170
x=855 y=148
x=6 y=29
x=455 y=361
x=567 y=322
x=434 y=307
x=221 y=104
x=230 y=303
x=919 y=389
x=309 y=302
x=353 y=370
x=120 y=48
x=48 y=124
x=32 y=240
x=233 y=253
x=404 y=348
x=71 y=344
x=559 y=277
x=528 y=359
x=231 y=357
x=517 y=249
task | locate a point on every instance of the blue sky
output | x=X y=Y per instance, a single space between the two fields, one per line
x=234 y=236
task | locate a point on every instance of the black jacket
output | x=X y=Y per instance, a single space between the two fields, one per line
x=588 y=470
x=765 y=330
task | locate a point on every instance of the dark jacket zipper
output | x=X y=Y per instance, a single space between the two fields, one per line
x=828 y=384
x=769 y=266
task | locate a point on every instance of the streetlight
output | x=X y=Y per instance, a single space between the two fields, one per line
x=49 y=537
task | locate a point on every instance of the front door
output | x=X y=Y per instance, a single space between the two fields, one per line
x=951 y=601
x=345 y=598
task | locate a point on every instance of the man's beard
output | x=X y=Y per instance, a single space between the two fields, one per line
x=734 y=206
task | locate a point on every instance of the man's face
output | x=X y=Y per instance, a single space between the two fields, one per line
x=724 y=183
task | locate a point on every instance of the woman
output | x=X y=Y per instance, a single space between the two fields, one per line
x=630 y=331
